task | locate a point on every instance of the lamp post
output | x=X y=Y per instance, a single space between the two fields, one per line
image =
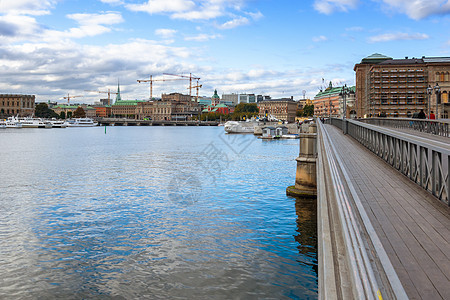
x=345 y=92
x=429 y=92
x=437 y=90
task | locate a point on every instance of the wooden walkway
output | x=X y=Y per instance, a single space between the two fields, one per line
x=413 y=225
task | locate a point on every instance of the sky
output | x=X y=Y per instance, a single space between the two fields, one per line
x=281 y=48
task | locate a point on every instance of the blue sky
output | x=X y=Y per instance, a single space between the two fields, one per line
x=52 y=48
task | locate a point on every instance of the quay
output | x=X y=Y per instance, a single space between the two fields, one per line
x=134 y=122
x=383 y=211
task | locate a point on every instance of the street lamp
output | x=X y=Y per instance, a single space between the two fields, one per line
x=437 y=90
x=345 y=92
x=429 y=92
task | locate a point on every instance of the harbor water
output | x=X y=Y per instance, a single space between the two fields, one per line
x=152 y=213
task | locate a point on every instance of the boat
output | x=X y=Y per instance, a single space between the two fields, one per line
x=58 y=123
x=29 y=122
x=240 y=127
x=81 y=122
x=10 y=124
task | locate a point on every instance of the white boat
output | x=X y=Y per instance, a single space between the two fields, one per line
x=10 y=124
x=240 y=127
x=81 y=122
x=58 y=123
x=30 y=122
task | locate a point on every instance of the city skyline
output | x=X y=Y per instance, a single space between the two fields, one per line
x=54 y=48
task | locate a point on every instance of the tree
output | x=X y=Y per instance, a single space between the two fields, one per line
x=79 y=113
x=42 y=111
x=308 y=110
x=69 y=114
x=245 y=110
x=62 y=115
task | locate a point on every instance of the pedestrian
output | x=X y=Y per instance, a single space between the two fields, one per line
x=432 y=116
x=421 y=115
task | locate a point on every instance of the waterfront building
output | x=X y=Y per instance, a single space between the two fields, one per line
x=103 y=111
x=64 y=108
x=125 y=108
x=16 y=104
x=167 y=110
x=330 y=102
x=178 y=97
x=399 y=87
x=281 y=109
x=231 y=98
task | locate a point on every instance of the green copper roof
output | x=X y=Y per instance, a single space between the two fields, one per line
x=215 y=96
x=118 y=98
x=65 y=106
x=127 y=102
x=375 y=58
x=332 y=91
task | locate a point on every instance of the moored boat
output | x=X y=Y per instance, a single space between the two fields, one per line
x=81 y=122
x=240 y=127
x=58 y=123
x=29 y=122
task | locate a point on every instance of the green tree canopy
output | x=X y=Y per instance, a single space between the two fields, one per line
x=245 y=111
x=79 y=113
x=42 y=111
x=62 y=115
x=308 y=110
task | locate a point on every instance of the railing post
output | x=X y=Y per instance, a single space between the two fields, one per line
x=306 y=174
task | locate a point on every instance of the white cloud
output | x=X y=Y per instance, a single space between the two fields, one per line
x=202 y=37
x=355 y=29
x=330 y=6
x=320 y=38
x=113 y=2
x=162 y=6
x=26 y=7
x=165 y=33
x=388 y=37
x=234 y=23
x=419 y=9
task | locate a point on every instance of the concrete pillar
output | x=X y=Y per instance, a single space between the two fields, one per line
x=306 y=177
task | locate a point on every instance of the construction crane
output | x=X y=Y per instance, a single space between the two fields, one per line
x=105 y=92
x=190 y=80
x=196 y=87
x=68 y=98
x=151 y=80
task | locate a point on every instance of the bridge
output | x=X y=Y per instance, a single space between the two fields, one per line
x=134 y=122
x=383 y=209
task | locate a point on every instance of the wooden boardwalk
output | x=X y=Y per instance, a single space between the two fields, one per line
x=413 y=225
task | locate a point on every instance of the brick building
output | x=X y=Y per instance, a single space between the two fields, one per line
x=330 y=102
x=281 y=109
x=16 y=104
x=399 y=87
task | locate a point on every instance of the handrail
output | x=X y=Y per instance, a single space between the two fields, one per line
x=425 y=163
x=436 y=127
x=363 y=279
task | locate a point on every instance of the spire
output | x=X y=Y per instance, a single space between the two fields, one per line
x=118 y=98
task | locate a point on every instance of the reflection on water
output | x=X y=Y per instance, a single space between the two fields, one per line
x=152 y=212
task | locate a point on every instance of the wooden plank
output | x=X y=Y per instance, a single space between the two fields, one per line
x=413 y=226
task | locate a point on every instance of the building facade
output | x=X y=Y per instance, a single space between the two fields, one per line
x=125 y=108
x=400 y=87
x=16 y=104
x=281 y=109
x=330 y=102
x=178 y=97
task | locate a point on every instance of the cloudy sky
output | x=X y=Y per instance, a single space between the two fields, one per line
x=51 y=48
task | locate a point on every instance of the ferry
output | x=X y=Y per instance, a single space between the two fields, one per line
x=30 y=122
x=81 y=122
x=58 y=123
x=10 y=124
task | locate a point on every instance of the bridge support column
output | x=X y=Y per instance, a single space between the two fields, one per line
x=306 y=175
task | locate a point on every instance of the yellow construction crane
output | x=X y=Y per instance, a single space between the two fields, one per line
x=68 y=98
x=105 y=92
x=190 y=77
x=151 y=80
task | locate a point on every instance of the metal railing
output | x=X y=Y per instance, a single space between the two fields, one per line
x=340 y=196
x=435 y=127
x=427 y=164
